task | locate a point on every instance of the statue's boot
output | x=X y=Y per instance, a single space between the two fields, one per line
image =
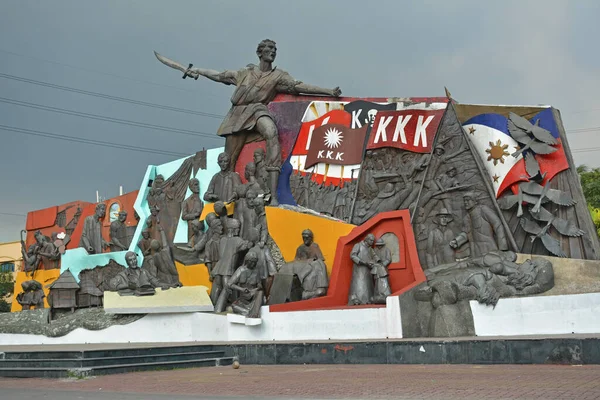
x=215 y=291
x=273 y=181
x=221 y=303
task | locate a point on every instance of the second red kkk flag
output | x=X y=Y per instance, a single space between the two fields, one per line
x=336 y=144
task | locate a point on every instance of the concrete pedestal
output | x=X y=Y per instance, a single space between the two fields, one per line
x=180 y=300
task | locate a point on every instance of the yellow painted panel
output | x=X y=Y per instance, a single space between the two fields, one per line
x=286 y=226
x=192 y=298
x=45 y=277
x=210 y=207
x=193 y=275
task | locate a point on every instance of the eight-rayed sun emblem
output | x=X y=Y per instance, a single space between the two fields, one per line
x=333 y=138
x=497 y=152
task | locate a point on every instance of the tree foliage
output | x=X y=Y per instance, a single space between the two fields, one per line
x=595 y=217
x=7 y=284
x=590 y=182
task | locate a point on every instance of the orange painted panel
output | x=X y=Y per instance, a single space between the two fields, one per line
x=126 y=203
x=45 y=220
x=86 y=211
x=41 y=218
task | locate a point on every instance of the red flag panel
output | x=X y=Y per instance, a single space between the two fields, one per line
x=336 y=144
x=411 y=130
x=304 y=140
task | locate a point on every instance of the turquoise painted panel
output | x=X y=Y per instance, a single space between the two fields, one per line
x=141 y=207
x=77 y=260
x=204 y=176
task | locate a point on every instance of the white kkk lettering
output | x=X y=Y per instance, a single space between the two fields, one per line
x=421 y=134
x=328 y=154
x=412 y=130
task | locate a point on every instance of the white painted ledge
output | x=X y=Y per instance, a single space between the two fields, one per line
x=539 y=315
x=317 y=325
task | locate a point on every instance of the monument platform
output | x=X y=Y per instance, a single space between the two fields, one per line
x=100 y=359
x=521 y=316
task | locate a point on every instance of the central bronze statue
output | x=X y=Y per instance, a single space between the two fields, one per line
x=256 y=86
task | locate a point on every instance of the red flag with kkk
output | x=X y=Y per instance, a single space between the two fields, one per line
x=321 y=171
x=412 y=130
x=336 y=144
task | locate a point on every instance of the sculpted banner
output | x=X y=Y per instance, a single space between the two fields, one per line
x=411 y=130
x=336 y=144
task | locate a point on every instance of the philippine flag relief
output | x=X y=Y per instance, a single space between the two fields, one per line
x=494 y=145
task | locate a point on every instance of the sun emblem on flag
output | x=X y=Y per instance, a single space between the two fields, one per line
x=333 y=138
x=497 y=152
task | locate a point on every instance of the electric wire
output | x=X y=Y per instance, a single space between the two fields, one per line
x=110 y=97
x=57 y=136
x=97 y=72
x=107 y=119
x=582 y=130
x=13 y=214
x=591 y=149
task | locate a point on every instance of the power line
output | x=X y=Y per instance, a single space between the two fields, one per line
x=176 y=109
x=100 y=72
x=585 y=150
x=109 y=97
x=151 y=126
x=106 y=119
x=582 y=130
x=158 y=127
x=13 y=214
x=56 y=136
x=585 y=111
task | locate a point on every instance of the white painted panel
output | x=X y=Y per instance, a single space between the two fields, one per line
x=394 y=322
x=346 y=324
x=576 y=313
x=367 y=323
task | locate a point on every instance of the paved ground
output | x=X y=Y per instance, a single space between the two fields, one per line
x=327 y=381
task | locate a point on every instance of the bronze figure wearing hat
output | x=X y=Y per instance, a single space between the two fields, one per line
x=438 y=247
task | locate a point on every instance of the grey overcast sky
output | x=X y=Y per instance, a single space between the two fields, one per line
x=504 y=52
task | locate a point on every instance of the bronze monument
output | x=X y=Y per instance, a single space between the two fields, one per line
x=247 y=283
x=192 y=206
x=363 y=257
x=134 y=280
x=91 y=236
x=222 y=184
x=119 y=239
x=256 y=86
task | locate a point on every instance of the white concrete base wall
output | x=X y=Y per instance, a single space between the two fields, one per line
x=540 y=315
x=348 y=324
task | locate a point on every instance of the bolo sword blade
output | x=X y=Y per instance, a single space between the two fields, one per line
x=174 y=64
